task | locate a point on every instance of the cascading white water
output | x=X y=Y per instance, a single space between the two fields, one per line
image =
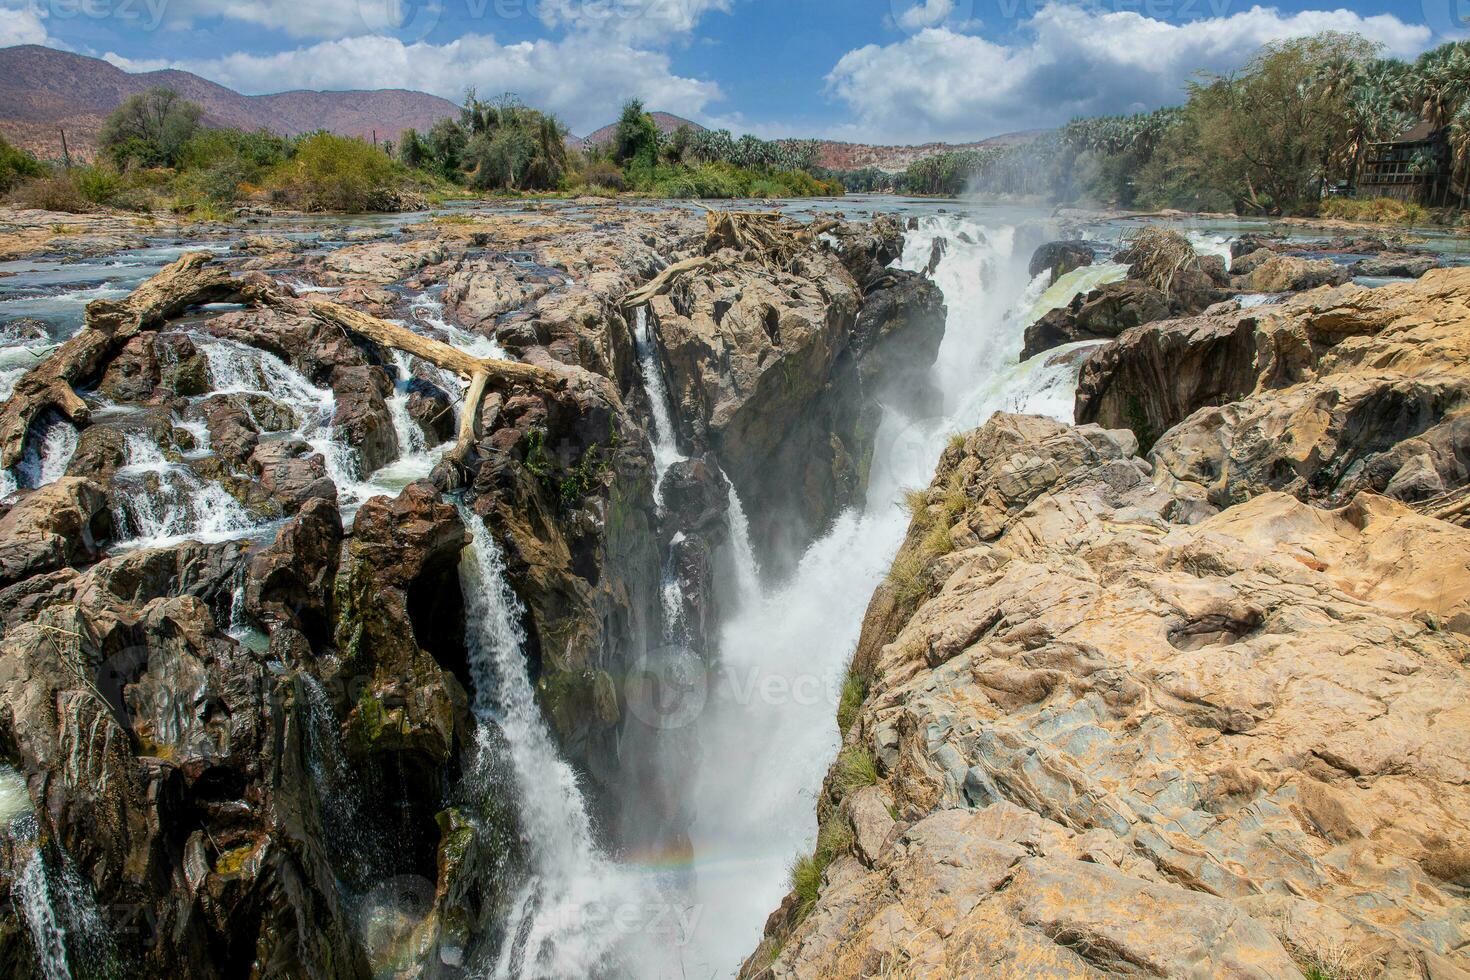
x=562 y=919
x=665 y=448
x=156 y=503
x=768 y=733
x=59 y=910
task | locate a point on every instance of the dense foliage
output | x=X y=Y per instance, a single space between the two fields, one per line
x=149 y=129
x=16 y=165
x=495 y=145
x=1292 y=125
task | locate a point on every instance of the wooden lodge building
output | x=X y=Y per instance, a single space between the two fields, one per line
x=1413 y=167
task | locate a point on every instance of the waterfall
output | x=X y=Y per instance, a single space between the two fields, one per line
x=742 y=552
x=156 y=503
x=49 y=449
x=562 y=919
x=60 y=911
x=769 y=732
x=665 y=448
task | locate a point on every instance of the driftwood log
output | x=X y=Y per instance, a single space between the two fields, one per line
x=192 y=281
x=481 y=372
x=766 y=237
x=109 y=325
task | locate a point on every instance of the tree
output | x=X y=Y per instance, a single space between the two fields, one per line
x=636 y=137
x=149 y=129
x=1270 y=134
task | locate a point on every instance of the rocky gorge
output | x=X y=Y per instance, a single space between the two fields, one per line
x=1176 y=688
x=411 y=601
x=296 y=681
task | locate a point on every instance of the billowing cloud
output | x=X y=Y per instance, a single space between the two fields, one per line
x=941 y=84
x=634 y=20
x=582 y=79
x=21 y=23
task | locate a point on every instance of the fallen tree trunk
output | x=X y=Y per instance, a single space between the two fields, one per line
x=109 y=325
x=1453 y=507
x=481 y=372
x=664 y=281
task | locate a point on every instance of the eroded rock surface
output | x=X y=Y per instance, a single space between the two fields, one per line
x=1115 y=733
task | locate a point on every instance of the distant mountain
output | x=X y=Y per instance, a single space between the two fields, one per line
x=895 y=159
x=43 y=90
x=666 y=122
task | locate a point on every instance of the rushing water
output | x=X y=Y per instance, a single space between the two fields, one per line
x=768 y=732
x=562 y=918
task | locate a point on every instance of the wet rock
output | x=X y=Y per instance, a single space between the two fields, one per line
x=291 y=473
x=433 y=411
x=1060 y=258
x=753 y=355
x=1101 y=314
x=384 y=262
x=63 y=523
x=267 y=243
x=101 y=450
x=399 y=627
x=868 y=250
x=233 y=434
x=696 y=496
x=362 y=418
x=183 y=370
x=133 y=373
x=896 y=341
x=290 y=581
x=1395 y=266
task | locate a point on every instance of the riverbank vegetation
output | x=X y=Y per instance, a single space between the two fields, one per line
x=156 y=155
x=1289 y=133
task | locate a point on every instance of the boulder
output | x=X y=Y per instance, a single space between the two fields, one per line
x=362 y=418
x=1081 y=706
x=1395 y=265
x=63 y=523
x=695 y=495
x=1289 y=274
x=385 y=261
x=290 y=582
x=1060 y=258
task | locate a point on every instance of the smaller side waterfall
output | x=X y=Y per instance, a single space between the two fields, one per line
x=60 y=913
x=562 y=920
x=156 y=502
x=665 y=447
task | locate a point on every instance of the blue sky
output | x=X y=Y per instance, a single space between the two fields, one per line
x=863 y=70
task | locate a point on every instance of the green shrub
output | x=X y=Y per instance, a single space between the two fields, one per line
x=57 y=192
x=1379 y=210
x=854 y=693
x=335 y=173
x=604 y=173
x=833 y=839
x=16 y=165
x=855 y=769
x=149 y=129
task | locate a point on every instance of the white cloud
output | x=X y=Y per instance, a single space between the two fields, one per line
x=942 y=84
x=633 y=20
x=582 y=79
x=313 y=18
x=20 y=23
x=930 y=13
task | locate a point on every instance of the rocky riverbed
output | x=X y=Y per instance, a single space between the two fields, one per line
x=285 y=677
x=374 y=598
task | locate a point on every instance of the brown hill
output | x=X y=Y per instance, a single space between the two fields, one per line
x=43 y=90
x=895 y=159
x=666 y=122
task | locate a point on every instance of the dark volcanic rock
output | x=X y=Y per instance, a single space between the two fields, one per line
x=63 y=523
x=696 y=496
x=1060 y=258
x=362 y=418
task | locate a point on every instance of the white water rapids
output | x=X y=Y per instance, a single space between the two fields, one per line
x=769 y=732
